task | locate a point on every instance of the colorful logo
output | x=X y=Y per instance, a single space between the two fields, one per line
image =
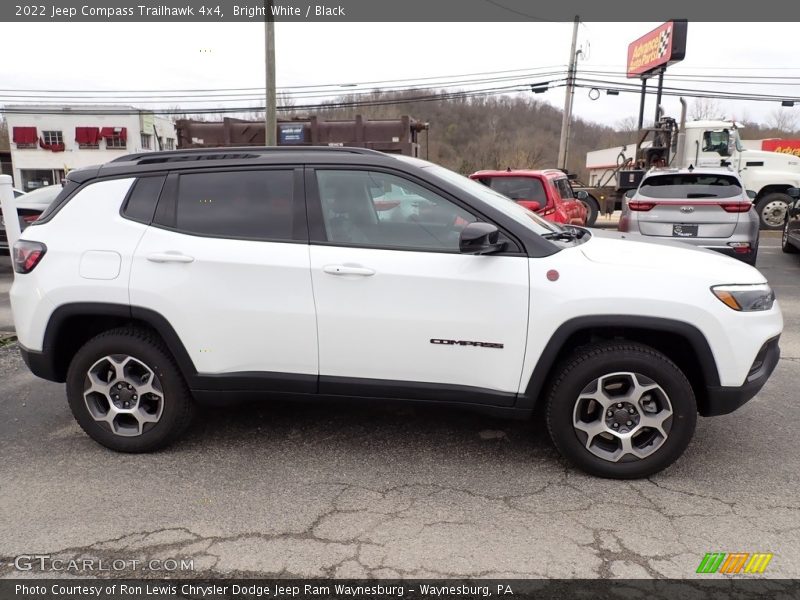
x=734 y=562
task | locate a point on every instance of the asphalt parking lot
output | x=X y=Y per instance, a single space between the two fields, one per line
x=320 y=490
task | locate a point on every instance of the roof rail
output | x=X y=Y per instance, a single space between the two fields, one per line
x=232 y=152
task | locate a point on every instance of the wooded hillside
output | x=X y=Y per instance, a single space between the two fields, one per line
x=467 y=134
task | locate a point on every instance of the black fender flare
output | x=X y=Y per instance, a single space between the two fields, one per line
x=547 y=360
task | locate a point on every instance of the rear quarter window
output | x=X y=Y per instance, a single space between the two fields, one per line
x=142 y=199
x=685 y=186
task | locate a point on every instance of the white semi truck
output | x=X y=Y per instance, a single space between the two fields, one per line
x=767 y=175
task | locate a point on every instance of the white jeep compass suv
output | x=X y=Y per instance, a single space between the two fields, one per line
x=162 y=279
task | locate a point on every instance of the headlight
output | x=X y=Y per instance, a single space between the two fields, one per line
x=746 y=298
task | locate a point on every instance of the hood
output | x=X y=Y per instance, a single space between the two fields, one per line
x=634 y=251
x=774 y=160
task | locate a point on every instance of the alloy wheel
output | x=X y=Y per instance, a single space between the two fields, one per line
x=622 y=417
x=124 y=394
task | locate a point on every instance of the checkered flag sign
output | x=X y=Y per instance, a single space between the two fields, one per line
x=663 y=44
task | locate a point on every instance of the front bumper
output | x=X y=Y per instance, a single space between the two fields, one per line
x=723 y=400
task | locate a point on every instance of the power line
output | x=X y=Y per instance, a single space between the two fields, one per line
x=410 y=80
x=306 y=107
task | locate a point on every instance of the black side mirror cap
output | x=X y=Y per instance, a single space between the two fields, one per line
x=581 y=195
x=793 y=192
x=751 y=194
x=480 y=238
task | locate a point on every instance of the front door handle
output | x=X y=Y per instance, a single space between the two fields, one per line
x=347 y=270
x=170 y=257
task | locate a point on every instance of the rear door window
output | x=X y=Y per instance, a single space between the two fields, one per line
x=255 y=204
x=686 y=186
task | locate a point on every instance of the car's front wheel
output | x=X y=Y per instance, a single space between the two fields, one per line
x=126 y=391
x=621 y=410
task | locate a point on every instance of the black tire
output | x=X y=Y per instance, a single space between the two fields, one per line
x=592 y=210
x=786 y=245
x=763 y=204
x=594 y=361
x=148 y=349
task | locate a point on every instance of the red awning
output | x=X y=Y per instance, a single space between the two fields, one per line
x=25 y=135
x=87 y=135
x=111 y=132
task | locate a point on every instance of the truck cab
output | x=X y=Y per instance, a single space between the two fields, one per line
x=768 y=174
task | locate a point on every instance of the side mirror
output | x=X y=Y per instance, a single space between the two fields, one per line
x=480 y=238
x=793 y=192
x=630 y=193
x=752 y=195
x=581 y=195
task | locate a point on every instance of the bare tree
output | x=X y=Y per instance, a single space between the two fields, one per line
x=783 y=120
x=705 y=108
x=627 y=125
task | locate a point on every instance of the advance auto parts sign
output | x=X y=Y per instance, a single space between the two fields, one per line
x=659 y=48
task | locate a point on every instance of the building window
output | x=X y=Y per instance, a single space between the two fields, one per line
x=147 y=141
x=25 y=137
x=170 y=144
x=115 y=137
x=88 y=138
x=116 y=141
x=52 y=138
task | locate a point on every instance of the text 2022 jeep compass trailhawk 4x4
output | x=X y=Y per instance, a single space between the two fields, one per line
x=163 y=278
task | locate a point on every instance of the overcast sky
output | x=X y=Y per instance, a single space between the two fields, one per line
x=231 y=55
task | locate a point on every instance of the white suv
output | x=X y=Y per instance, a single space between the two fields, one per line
x=162 y=279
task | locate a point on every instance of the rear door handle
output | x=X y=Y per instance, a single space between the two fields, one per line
x=170 y=257
x=346 y=270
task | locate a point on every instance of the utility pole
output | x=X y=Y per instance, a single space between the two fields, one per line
x=563 y=144
x=270 y=115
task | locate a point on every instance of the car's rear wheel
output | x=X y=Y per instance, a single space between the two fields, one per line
x=126 y=391
x=621 y=410
x=786 y=244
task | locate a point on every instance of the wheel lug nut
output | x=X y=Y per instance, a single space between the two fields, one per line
x=630 y=410
x=615 y=425
x=119 y=386
x=629 y=423
x=619 y=404
x=611 y=413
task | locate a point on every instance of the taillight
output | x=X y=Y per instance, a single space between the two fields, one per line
x=27 y=255
x=740 y=247
x=643 y=206
x=735 y=207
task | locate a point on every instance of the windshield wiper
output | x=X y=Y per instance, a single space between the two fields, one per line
x=567 y=234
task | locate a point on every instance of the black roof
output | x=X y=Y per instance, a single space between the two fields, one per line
x=143 y=162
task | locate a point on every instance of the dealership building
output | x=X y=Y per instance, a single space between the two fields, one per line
x=46 y=142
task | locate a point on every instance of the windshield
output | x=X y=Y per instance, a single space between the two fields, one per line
x=684 y=186
x=498 y=201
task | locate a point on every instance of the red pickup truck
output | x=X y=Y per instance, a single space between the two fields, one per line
x=546 y=192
